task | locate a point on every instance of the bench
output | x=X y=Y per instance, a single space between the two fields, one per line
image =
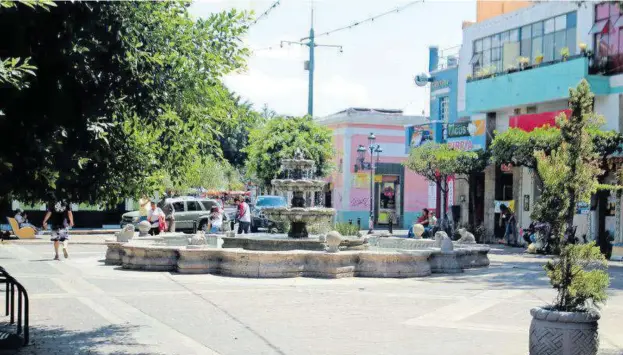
x=22 y=233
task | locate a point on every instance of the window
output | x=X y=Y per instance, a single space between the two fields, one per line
x=207 y=205
x=500 y=51
x=178 y=206
x=531 y=109
x=517 y=111
x=606 y=29
x=193 y=206
x=444 y=108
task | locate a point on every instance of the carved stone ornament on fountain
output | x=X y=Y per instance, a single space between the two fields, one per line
x=144 y=228
x=126 y=234
x=298 y=178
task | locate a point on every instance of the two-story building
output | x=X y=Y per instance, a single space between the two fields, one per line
x=397 y=191
x=515 y=70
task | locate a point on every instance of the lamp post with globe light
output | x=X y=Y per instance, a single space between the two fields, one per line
x=361 y=155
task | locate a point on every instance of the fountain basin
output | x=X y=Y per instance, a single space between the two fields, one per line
x=276 y=264
x=299 y=214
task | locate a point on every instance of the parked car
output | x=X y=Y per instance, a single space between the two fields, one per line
x=258 y=220
x=190 y=213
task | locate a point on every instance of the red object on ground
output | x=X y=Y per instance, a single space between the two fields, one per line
x=531 y=121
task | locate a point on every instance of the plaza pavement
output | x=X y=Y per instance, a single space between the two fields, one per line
x=81 y=306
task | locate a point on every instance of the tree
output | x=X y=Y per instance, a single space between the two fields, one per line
x=279 y=138
x=517 y=147
x=124 y=92
x=210 y=173
x=235 y=131
x=570 y=171
x=13 y=71
x=437 y=162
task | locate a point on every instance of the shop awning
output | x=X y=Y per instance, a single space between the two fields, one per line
x=529 y=122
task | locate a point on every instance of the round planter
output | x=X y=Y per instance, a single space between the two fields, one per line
x=563 y=333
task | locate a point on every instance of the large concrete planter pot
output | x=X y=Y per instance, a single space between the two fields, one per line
x=563 y=333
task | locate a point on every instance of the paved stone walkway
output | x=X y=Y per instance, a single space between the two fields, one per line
x=80 y=306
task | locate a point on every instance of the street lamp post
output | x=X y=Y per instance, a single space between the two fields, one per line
x=361 y=152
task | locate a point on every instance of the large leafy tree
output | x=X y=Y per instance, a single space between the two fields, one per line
x=123 y=92
x=279 y=138
x=235 y=131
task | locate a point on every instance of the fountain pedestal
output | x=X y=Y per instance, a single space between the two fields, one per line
x=298 y=230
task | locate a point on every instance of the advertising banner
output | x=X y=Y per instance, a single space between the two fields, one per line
x=468 y=135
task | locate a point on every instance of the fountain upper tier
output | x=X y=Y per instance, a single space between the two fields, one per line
x=298 y=185
x=293 y=164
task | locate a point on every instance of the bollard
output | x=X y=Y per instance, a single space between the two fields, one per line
x=391 y=230
x=350 y=221
x=194 y=227
x=358 y=223
x=232 y=224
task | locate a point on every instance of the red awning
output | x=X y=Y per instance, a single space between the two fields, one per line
x=531 y=121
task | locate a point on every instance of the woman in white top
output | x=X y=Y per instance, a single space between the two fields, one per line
x=155 y=214
x=216 y=219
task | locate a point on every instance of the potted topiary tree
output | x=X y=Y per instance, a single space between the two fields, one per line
x=569 y=173
x=569 y=326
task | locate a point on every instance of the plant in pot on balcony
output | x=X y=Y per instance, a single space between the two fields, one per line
x=582 y=47
x=564 y=53
x=569 y=174
x=538 y=59
x=523 y=62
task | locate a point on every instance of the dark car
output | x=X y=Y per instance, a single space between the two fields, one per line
x=258 y=220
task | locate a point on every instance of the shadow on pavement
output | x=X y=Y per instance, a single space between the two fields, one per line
x=103 y=340
x=511 y=268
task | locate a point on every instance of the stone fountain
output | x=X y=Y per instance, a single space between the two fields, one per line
x=299 y=180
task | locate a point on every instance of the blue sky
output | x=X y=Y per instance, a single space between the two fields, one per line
x=376 y=68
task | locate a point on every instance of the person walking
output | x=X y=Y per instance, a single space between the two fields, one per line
x=510 y=231
x=156 y=219
x=243 y=216
x=61 y=217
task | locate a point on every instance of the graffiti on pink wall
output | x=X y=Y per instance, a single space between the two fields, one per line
x=359 y=199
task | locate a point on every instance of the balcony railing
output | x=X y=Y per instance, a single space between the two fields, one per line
x=522 y=68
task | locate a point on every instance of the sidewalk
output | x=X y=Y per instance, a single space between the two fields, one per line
x=96 y=239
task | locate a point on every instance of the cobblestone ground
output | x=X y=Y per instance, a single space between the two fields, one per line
x=81 y=306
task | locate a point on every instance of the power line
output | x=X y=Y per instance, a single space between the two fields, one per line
x=265 y=13
x=370 y=19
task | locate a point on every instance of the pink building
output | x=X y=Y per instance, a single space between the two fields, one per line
x=397 y=190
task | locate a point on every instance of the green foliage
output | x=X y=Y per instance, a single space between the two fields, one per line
x=125 y=94
x=209 y=173
x=279 y=138
x=570 y=171
x=235 y=131
x=517 y=147
x=437 y=161
x=13 y=71
x=346 y=229
x=579 y=276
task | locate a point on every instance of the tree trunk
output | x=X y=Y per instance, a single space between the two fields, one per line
x=569 y=218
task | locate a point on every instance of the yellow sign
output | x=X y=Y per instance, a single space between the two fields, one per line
x=361 y=180
x=378 y=178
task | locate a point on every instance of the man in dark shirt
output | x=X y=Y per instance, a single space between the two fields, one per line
x=60 y=216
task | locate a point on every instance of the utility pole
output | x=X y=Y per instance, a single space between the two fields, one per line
x=310 y=64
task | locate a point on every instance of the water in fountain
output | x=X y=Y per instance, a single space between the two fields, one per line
x=299 y=180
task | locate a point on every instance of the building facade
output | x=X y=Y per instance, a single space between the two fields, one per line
x=397 y=191
x=515 y=70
